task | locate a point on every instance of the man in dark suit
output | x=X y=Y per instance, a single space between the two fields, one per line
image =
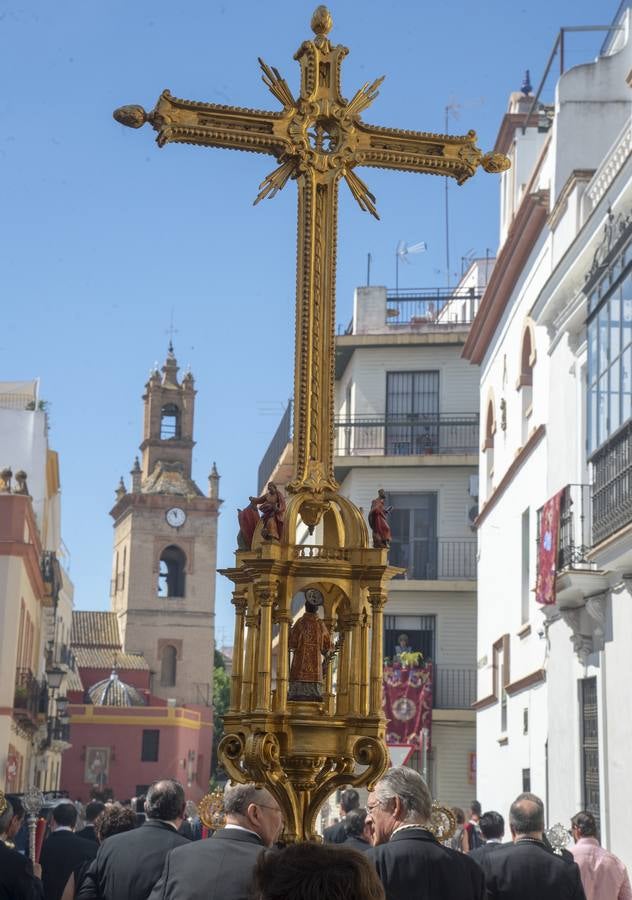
x=408 y=859
x=336 y=834
x=93 y=811
x=358 y=833
x=17 y=880
x=63 y=851
x=492 y=827
x=129 y=865
x=221 y=867
x=526 y=869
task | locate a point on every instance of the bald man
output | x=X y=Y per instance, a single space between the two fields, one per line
x=527 y=868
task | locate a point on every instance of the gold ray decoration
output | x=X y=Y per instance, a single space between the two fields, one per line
x=211 y=810
x=442 y=822
x=303 y=750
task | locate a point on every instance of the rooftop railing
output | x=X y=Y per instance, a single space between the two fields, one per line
x=434 y=307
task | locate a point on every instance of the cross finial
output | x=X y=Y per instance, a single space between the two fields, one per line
x=171 y=331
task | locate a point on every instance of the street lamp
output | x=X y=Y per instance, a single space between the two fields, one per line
x=54 y=676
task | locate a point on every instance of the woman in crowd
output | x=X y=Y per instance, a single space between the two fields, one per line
x=113 y=820
x=315 y=871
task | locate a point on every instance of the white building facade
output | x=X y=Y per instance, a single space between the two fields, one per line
x=553 y=340
x=36 y=597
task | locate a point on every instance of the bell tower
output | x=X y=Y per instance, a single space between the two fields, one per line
x=165 y=546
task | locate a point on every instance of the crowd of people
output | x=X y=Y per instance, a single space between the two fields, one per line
x=386 y=851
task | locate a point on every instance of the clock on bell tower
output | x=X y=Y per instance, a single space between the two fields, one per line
x=165 y=547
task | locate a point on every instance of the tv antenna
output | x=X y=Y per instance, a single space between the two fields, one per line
x=402 y=253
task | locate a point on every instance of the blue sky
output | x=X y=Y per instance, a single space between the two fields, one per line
x=102 y=234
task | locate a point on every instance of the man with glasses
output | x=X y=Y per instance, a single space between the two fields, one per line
x=408 y=859
x=222 y=866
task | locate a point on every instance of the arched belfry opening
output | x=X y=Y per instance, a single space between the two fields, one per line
x=171 y=573
x=170 y=423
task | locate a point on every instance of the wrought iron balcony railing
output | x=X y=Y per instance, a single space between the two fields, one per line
x=407 y=435
x=435 y=559
x=453 y=688
x=432 y=307
x=612 y=485
x=28 y=699
x=575 y=529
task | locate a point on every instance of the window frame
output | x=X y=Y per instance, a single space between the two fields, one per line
x=146 y=746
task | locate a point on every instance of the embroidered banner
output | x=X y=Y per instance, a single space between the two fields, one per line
x=407 y=703
x=548 y=550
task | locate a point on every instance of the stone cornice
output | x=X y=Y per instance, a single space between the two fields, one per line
x=508 y=127
x=521 y=684
x=512 y=259
x=576 y=177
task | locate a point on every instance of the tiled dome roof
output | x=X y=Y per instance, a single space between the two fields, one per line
x=114 y=692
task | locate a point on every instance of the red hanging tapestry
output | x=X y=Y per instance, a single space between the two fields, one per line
x=548 y=549
x=407 y=702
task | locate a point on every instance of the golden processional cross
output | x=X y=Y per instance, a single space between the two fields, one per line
x=317 y=139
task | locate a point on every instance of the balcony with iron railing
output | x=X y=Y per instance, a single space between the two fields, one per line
x=407 y=435
x=453 y=688
x=30 y=698
x=577 y=575
x=435 y=559
x=574 y=532
x=612 y=486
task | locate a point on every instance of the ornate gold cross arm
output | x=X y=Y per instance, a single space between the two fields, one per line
x=211 y=125
x=421 y=151
x=318 y=140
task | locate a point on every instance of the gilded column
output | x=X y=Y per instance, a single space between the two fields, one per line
x=265 y=595
x=252 y=624
x=364 y=665
x=342 y=698
x=355 y=671
x=283 y=662
x=240 y=602
x=377 y=599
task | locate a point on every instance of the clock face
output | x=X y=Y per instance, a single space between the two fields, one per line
x=176 y=517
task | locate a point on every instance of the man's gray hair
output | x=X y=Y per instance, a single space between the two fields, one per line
x=411 y=789
x=526 y=814
x=238 y=797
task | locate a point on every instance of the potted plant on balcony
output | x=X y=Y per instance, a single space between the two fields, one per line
x=20 y=698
